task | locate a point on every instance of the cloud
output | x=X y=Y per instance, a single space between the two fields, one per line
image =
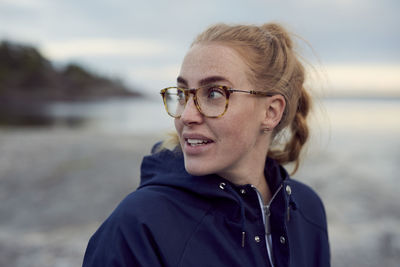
x=25 y=3
x=365 y=79
x=168 y=73
x=62 y=50
x=154 y=78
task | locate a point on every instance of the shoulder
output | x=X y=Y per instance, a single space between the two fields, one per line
x=146 y=223
x=153 y=202
x=133 y=213
x=141 y=205
x=307 y=201
x=156 y=208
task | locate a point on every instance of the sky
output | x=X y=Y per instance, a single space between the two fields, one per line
x=355 y=43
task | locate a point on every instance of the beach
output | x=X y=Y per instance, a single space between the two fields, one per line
x=58 y=184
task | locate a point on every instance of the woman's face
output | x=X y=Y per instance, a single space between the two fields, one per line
x=231 y=144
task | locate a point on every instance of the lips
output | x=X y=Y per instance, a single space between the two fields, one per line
x=196 y=139
x=196 y=143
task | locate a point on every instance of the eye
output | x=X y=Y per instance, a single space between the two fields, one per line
x=215 y=92
x=181 y=96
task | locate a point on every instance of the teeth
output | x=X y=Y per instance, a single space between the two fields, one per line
x=196 y=142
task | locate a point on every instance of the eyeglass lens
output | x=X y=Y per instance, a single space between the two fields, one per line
x=211 y=100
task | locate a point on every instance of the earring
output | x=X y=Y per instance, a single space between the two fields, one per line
x=266 y=130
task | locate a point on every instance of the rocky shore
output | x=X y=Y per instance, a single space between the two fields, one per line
x=58 y=185
x=29 y=83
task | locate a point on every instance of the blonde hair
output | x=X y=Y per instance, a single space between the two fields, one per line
x=274 y=67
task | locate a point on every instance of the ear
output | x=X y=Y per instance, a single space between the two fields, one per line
x=274 y=108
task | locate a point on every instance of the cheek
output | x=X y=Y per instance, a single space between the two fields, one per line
x=241 y=131
x=238 y=133
x=178 y=125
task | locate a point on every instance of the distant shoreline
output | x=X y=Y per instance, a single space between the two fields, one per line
x=362 y=97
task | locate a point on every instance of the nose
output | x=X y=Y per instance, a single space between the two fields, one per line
x=191 y=115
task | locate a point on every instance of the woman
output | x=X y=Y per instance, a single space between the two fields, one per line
x=221 y=196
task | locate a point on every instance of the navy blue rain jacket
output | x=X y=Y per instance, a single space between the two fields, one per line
x=175 y=219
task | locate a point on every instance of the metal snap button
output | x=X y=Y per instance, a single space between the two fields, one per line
x=257 y=239
x=282 y=239
x=288 y=190
x=242 y=191
x=222 y=185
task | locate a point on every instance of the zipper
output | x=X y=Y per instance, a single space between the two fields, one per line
x=267 y=224
x=267 y=211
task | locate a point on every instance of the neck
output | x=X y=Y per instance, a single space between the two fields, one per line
x=264 y=190
x=250 y=170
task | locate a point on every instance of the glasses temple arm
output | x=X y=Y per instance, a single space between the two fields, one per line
x=253 y=92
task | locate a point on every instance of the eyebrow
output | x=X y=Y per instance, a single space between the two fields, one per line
x=205 y=81
x=181 y=80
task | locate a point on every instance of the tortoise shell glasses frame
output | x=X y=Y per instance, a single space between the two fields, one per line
x=210 y=103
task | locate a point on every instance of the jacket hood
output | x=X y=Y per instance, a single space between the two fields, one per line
x=166 y=168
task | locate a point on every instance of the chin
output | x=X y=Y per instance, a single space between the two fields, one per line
x=196 y=171
x=197 y=168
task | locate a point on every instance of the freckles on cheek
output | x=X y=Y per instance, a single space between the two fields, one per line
x=240 y=135
x=178 y=125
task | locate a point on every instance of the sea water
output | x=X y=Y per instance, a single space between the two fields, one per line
x=139 y=116
x=349 y=116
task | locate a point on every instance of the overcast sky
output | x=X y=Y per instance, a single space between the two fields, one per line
x=143 y=42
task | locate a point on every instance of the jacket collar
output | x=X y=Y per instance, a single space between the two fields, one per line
x=166 y=168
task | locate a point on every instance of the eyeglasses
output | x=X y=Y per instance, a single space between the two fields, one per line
x=211 y=100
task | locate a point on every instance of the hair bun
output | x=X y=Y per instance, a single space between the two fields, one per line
x=278 y=32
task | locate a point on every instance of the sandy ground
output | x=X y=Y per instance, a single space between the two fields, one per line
x=58 y=185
